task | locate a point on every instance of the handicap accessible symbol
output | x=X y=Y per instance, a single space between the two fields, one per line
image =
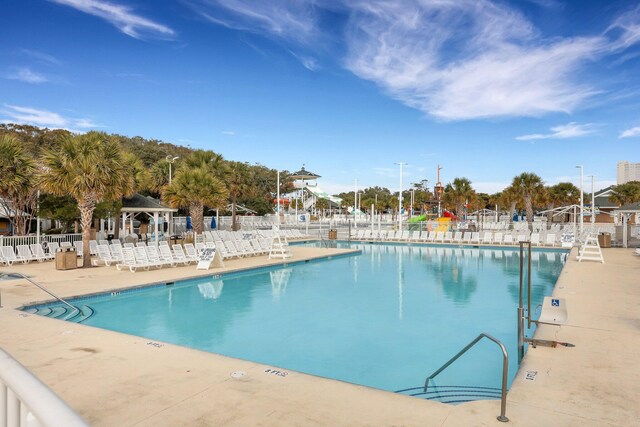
x=555 y=303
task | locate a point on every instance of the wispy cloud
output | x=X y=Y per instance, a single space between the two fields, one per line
x=25 y=74
x=41 y=57
x=50 y=119
x=570 y=130
x=122 y=17
x=228 y=132
x=630 y=133
x=288 y=19
x=453 y=60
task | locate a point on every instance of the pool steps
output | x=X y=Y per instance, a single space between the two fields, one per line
x=454 y=394
x=61 y=312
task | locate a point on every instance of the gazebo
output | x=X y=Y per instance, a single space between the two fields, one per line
x=626 y=212
x=139 y=204
x=304 y=175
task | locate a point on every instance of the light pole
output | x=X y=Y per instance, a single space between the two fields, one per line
x=581 y=195
x=400 y=197
x=278 y=197
x=171 y=159
x=413 y=192
x=593 y=200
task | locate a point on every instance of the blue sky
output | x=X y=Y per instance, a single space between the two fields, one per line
x=486 y=89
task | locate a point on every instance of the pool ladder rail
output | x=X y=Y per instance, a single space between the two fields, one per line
x=505 y=369
x=76 y=311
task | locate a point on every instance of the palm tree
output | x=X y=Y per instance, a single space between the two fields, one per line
x=237 y=180
x=624 y=194
x=528 y=186
x=18 y=192
x=90 y=168
x=458 y=194
x=193 y=188
x=563 y=193
x=509 y=197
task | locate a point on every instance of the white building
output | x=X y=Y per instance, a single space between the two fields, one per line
x=628 y=171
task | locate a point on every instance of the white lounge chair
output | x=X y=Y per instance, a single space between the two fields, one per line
x=142 y=257
x=10 y=256
x=497 y=238
x=550 y=239
x=39 y=252
x=25 y=253
x=508 y=239
x=487 y=237
x=130 y=261
x=180 y=256
x=535 y=239
x=457 y=237
x=104 y=256
x=153 y=254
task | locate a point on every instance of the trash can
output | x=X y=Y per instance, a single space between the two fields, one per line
x=333 y=234
x=604 y=240
x=66 y=259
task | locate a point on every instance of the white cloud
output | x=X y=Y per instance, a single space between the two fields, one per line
x=35 y=117
x=630 y=133
x=453 y=60
x=501 y=67
x=26 y=75
x=570 y=130
x=121 y=17
x=228 y=132
x=290 y=19
x=41 y=56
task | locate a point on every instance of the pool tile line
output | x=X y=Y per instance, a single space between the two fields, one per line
x=187 y=281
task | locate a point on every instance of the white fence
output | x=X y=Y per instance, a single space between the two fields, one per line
x=28 y=240
x=26 y=401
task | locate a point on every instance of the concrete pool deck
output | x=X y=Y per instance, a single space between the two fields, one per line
x=111 y=378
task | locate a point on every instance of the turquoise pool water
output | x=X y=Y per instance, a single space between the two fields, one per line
x=386 y=318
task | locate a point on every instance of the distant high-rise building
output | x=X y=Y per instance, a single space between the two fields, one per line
x=628 y=171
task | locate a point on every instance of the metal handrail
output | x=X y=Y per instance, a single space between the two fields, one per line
x=73 y=307
x=505 y=369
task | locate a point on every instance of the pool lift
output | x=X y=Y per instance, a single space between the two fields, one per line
x=553 y=312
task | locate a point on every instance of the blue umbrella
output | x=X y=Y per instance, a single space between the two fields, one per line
x=189 y=226
x=213 y=222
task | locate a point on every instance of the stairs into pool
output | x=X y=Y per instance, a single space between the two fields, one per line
x=453 y=394
x=63 y=313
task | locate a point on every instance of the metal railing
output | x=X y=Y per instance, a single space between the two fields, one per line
x=505 y=370
x=73 y=307
x=26 y=401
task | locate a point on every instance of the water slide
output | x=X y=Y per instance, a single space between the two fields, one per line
x=317 y=192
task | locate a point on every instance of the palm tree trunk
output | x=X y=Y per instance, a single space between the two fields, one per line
x=529 y=208
x=197 y=216
x=234 y=226
x=86 y=208
x=550 y=214
x=512 y=209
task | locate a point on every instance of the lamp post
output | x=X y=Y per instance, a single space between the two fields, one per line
x=171 y=159
x=413 y=192
x=400 y=197
x=581 y=196
x=278 y=197
x=593 y=200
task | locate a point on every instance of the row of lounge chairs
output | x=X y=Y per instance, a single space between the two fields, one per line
x=27 y=253
x=223 y=235
x=458 y=237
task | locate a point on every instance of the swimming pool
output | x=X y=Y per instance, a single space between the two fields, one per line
x=386 y=318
